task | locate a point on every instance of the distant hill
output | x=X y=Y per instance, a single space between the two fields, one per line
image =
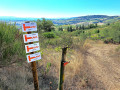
x=73 y=20
x=87 y=19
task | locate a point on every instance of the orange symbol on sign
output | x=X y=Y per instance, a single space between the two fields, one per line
x=32 y=57
x=26 y=38
x=31 y=48
x=25 y=27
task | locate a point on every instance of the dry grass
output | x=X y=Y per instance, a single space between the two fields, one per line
x=17 y=77
x=72 y=79
x=77 y=72
x=116 y=54
x=54 y=58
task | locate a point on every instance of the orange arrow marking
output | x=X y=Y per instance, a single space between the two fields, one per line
x=25 y=27
x=65 y=63
x=26 y=38
x=32 y=57
x=31 y=48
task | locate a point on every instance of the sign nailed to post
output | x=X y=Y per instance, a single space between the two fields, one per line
x=27 y=27
x=30 y=37
x=33 y=57
x=32 y=47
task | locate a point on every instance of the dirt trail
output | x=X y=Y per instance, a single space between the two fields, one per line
x=104 y=67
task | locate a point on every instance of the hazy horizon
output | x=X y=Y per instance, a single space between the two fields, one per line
x=55 y=17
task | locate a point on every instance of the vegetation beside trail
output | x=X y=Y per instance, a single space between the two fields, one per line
x=109 y=33
x=14 y=66
x=52 y=39
x=11 y=45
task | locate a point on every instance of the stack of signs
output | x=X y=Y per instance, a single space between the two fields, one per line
x=28 y=38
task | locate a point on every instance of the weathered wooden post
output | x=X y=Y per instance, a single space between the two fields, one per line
x=31 y=48
x=35 y=75
x=62 y=67
x=34 y=70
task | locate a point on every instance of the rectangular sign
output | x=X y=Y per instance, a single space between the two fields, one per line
x=32 y=47
x=27 y=27
x=33 y=57
x=30 y=37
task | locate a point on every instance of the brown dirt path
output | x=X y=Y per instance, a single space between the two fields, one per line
x=103 y=66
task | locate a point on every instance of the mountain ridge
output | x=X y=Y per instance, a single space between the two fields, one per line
x=63 y=21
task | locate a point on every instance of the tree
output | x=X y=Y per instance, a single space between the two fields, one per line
x=68 y=29
x=98 y=31
x=44 y=24
x=60 y=29
x=92 y=26
x=83 y=27
x=108 y=24
x=88 y=26
x=96 y=25
x=39 y=25
x=80 y=27
x=71 y=28
x=76 y=27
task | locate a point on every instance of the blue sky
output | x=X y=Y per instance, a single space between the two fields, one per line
x=58 y=8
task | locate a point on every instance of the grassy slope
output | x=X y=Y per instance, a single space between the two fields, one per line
x=79 y=74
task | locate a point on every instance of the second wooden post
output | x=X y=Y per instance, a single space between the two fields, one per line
x=62 y=67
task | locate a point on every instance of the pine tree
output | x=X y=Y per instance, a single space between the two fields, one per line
x=76 y=27
x=68 y=29
x=71 y=28
x=83 y=27
x=60 y=29
x=96 y=25
x=80 y=27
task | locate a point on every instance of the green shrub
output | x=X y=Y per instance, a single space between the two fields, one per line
x=11 y=47
x=95 y=37
x=97 y=31
x=108 y=40
x=77 y=32
x=66 y=40
x=49 y=35
x=113 y=31
x=83 y=37
x=63 y=40
x=58 y=49
x=59 y=33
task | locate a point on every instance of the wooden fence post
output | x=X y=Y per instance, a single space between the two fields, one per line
x=62 y=67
